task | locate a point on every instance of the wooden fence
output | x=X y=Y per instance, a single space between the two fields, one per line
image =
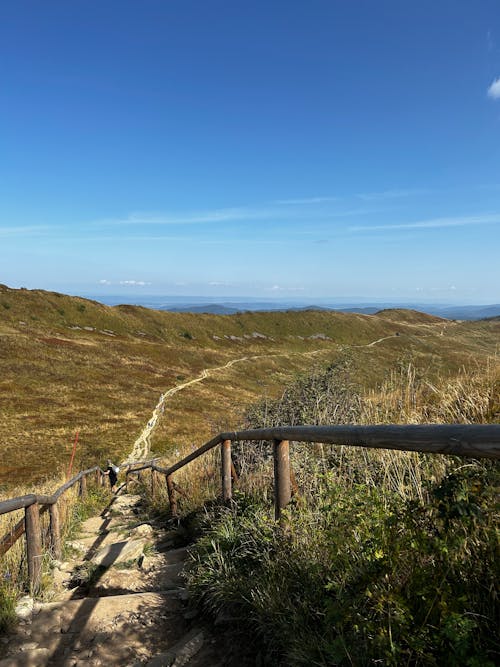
x=477 y=441
x=34 y=506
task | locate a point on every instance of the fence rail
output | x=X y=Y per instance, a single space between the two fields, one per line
x=34 y=505
x=477 y=441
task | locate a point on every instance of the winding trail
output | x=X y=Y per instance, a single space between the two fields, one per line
x=142 y=447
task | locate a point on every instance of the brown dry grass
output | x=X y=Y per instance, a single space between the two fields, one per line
x=104 y=377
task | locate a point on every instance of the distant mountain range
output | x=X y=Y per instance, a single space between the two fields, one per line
x=233 y=305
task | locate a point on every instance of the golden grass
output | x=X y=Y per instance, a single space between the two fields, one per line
x=69 y=364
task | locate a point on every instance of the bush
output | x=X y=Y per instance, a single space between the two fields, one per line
x=359 y=577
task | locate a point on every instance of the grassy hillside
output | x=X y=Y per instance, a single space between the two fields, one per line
x=68 y=363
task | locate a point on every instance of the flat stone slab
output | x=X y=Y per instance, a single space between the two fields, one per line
x=24 y=607
x=181 y=653
x=124 y=503
x=143 y=530
x=94 y=525
x=119 y=552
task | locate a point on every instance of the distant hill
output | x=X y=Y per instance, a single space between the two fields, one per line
x=231 y=306
x=408 y=315
x=466 y=312
x=211 y=308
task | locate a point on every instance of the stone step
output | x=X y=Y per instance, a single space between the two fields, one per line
x=114 y=630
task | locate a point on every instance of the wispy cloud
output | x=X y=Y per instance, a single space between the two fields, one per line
x=128 y=283
x=392 y=194
x=434 y=223
x=135 y=283
x=490 y=44
x=193 y=218
x=307 y=200
x=494 y=89
x=279 y=288
x=25 y=230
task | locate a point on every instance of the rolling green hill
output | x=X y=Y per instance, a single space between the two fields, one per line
x=69 y=364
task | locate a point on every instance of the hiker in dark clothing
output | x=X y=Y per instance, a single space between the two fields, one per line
x=112 y=472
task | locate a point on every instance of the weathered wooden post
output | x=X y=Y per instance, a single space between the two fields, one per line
x=171 y=495
x=33 y=546
x=282 y=491
x=55 y=531
x=226 y=471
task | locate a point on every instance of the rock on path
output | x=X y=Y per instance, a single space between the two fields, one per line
x=119 y=601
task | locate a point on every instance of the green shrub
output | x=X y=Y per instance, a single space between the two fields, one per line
x=360 y=577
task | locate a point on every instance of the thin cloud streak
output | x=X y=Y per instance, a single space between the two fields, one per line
x=203 y=217
x=277 y=212
x=392 y=194
x=307 y=200
x=25 y=230
x=435 y=223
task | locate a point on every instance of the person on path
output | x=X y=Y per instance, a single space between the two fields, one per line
x=112 y=472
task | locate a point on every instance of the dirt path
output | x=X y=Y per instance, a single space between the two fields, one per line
x=141 y=447
x=118 y=601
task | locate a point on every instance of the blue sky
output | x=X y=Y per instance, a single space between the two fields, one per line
x=270 y=149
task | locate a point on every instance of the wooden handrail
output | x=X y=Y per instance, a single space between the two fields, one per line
x=473 y=440
x=35 y=504
x=476 y=440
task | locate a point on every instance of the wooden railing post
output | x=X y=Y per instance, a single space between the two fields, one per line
x=33 y=546
x=83 y=487
x=55 y=531
x=171 y=495
x=282 y=491
x=226 y=471
x=154 y=483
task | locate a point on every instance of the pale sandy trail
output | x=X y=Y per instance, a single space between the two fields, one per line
x=141 y=448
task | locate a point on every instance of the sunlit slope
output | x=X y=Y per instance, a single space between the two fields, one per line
x=68 y=363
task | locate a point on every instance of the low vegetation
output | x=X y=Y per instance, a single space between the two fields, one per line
x=385 y=557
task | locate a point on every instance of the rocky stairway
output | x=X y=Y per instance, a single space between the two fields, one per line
x=119 y=600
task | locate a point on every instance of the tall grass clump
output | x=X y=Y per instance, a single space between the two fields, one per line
x=386 y=558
